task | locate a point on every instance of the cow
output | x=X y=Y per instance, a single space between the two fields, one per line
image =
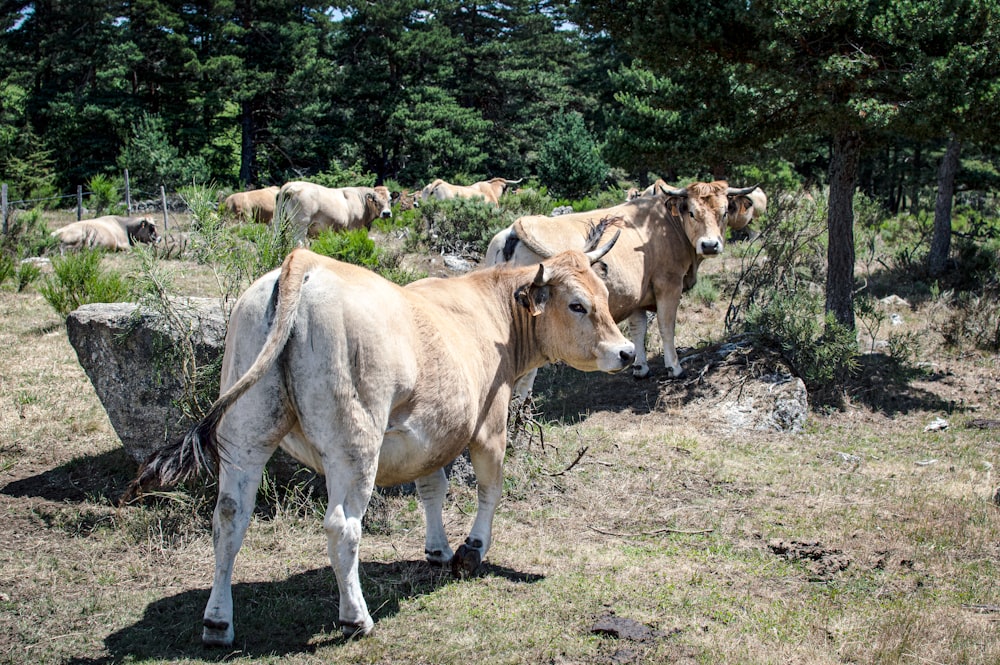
x=663 y=240
x=487 y=190
x=111 y=232
x=255 y=205
x=743 y=209
x=310 y=209
x=371 y=384
x=746 y=208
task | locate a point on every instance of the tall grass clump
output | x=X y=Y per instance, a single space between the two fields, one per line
x=79 y=279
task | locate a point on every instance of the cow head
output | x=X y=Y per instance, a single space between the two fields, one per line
x=702 y=209
x=142 y=230
x=741 y=208
x=568 y=302
x=381 y=201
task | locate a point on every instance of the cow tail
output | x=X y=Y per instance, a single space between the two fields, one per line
x=199 y=450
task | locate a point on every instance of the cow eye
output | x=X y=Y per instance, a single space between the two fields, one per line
x=578 y=308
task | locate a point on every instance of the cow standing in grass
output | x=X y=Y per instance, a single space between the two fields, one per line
x=372 y=384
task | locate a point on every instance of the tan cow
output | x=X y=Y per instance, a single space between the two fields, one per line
x=255 y=205
x=310 y=208
x=488 y=190
x=111 y=232
x=371 y=384
x=664 y=239
x=743 y=208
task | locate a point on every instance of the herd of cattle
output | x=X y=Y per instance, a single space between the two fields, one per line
x=372 y=383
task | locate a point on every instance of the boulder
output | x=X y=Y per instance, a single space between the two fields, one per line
x=132 y=358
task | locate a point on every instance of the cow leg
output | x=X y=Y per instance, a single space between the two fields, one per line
x=239 y=478
x=349 y=488
x=433 y=489
x=667 y=302
x=487 y=461
x=524 y=385
x=637 y=323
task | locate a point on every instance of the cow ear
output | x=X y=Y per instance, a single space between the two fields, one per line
x=533 y=298
x=394 y=195
x=601 y=268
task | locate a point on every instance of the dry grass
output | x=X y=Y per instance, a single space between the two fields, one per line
x=666 y=519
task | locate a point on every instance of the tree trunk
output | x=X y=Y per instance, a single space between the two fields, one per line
x=844 y=157
x=247 y=175
x=941 y=242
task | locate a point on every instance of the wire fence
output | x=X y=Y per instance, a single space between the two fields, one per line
x=151 y=202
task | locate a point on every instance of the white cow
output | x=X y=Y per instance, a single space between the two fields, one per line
x=310 y=208
x=373 y=383
x=111 y=232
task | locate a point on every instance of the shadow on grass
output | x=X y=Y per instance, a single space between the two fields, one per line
x=292 y=616
x=80 y=479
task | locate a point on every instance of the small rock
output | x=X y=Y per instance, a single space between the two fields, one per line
x=937 y=425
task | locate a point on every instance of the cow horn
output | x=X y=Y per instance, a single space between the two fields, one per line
x=541 y=279
x=734 y=191
x=513 y=182
x=597 y=254
x=682 y=192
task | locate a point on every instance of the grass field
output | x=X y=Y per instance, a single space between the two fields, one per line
x=862 y=539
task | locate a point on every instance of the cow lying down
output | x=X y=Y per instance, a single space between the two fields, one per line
x=371 y=384
x=111 y=232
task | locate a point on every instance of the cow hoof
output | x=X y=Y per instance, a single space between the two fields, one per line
x=353 y=630
x=438 y=557
x=674 y=373
x=466 y=562
x=640 y=371
x=217 y=633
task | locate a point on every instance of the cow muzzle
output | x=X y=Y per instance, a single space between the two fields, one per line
x=386 y=214
x=710 y=246
x=618 y=358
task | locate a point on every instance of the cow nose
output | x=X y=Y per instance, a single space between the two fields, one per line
x=711 y=246
x=386 y=214
x=627 y=357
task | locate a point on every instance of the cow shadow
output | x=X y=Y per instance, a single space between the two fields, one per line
x=292 y=616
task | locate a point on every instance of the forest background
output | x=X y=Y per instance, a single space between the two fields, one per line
x=897 y=100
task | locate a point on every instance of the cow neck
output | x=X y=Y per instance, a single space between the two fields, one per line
x=524 y=350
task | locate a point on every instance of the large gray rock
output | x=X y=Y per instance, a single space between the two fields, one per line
x=134 y=359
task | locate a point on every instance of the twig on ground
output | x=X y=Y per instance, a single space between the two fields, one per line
x=657 y=532
x=579 y=455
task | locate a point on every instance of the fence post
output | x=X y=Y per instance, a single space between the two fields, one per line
x=163 y=200
x=79 y=202
x=128 y=196
x=3 y=206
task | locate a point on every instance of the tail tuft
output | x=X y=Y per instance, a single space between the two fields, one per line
x=182 y=460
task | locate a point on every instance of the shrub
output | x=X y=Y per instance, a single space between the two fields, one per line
x=461 y=226
x=78 y=279
x=356 y=247
x=104 y=193
x=27 y=235
x=8 y=268
x=27 y=274
x=817 y=348
x=339 y=176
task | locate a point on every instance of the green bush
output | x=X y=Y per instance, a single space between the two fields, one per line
x=27 y=235
x=78 y=279
x=27 y=274
x=337 y=175
x=352 y=246
x=356 y=247
x=104 y=194
x=461 y=226
x=8 y=268
x=818 y=349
